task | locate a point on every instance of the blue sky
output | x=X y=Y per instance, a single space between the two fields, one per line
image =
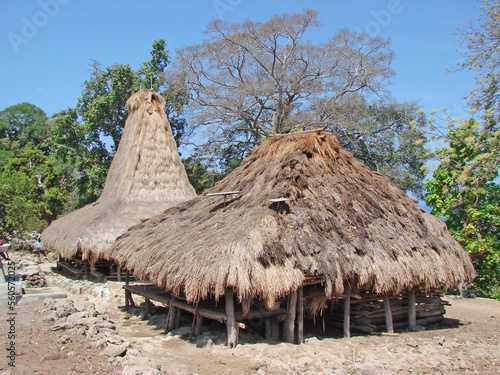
x=47 y=45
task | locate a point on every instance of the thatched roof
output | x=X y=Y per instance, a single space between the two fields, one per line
x=343 y=222
x=146 y=176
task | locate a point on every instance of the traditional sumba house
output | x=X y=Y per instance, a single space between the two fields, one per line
x=146 y=177
x=299 y=226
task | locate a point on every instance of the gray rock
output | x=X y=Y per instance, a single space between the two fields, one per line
x=77 y=316
x=49 y=303
x=64 y=307
x=137 y=370
x=51 y=317
x=28 y=268
x=204 y=342
x=100 y=310
x=133 y=353
x=79 y=307
x=115 y=350
x=61 y=326
x=64 y=340
x=93 y=331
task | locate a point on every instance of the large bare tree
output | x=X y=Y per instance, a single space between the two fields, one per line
x=251 y=79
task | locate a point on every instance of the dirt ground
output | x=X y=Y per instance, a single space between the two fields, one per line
x=471 y=347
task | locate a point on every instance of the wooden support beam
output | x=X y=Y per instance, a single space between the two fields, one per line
x=127 y=294
x=291 y=312
x=232 y=328
x=267 y=322
x=127 y=278
x=347 y=311
x=388 y=314
x=171 y=315
x=199 y=325
x=412 y=311
x=275 y=328
x=300 y=316
x=118 y=273
x=147 y=305
x=178 y=313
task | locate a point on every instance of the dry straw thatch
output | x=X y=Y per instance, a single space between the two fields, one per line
x=343 y=222
x=146 y=176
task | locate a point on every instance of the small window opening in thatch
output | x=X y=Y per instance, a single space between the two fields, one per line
x=279 y=205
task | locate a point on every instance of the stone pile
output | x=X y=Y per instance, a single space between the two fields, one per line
x=93 y=323
x=31 y=274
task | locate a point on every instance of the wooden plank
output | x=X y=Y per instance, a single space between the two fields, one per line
x=67 y=266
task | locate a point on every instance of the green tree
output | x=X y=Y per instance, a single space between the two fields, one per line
x=480 y=42
x=464 y=191
x=21 y=124
x=31 y=193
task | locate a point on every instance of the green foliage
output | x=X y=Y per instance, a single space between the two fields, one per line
x=31 y=194
x=202 y=177
x=21 y=124
x=464 y=191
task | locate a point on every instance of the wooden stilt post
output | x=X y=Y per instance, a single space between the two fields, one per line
x=300 y=315
x=178 y=313
x=291 y=312
x=388 y=314
x=127 y=299
x=347 y=311
x=275 y=328
x=127 y=278
x=267 y=322
x=412 y=312
x=118 y=273
x=199 y=325
x=232 y=328
x=171 y=315
x=147 y=305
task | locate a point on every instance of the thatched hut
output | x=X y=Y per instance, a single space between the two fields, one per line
x=299 y=211
x=146 y=177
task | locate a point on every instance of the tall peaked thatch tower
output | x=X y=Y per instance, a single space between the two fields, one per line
x=299 y=211
x=146 y=176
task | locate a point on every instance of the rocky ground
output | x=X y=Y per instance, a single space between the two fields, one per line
x=91 y=333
